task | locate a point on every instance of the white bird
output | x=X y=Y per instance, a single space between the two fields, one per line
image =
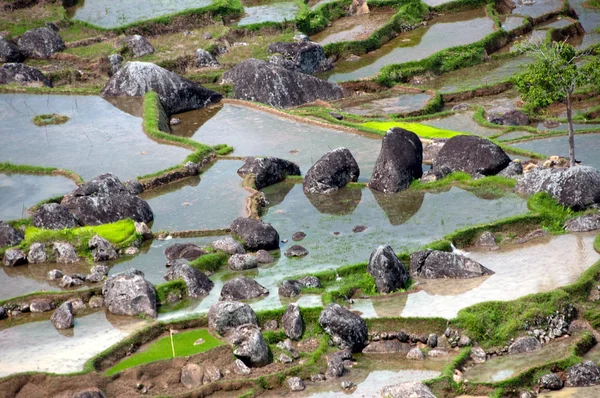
x=458 y=251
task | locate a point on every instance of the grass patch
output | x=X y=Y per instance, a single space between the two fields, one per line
x=7 y=167
x=50 y=118
x=422 y=130
x=162 y=349
x=554 y=214
x=490 y=186
x=163 y=290
x=210 y=262
x=223 y=149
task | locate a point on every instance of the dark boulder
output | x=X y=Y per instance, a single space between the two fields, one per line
x=471 y=154
x=290 y=288
x=102 y=249
x=310 y=281
x=513 y=170
x=251 y=346
x=269 y=170
x=585 y=223
x=577 y=187
x=204 y=59
x=292 y=323
x=188 y=251
x=346 y=329
x=242 y=288
x=335 y=365
x=128 y=293
x=334 y=170
x=14 y=257
x=40 y=43
x=260 y=81
x=9 y=52
x=92 y=210
x=106 y=184
x=133 y=187
x=176 y=94
x=507 y=117
x=63 y=317
x=22 y=74
x=550 y=381
x=387 y=270
x=305 y=56
x=138 y=45
x=225 y=316
x=53 y=216
x=115 y=61
x=399 y=163
x=9 y=236
x=434 y=264
x=583 y=374
x=196 y=282
x=524 y=344
x=90 y=392
x=255 y=234
x=432 y=148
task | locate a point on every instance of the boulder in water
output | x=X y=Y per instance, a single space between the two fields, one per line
x=102 y=249
x=242 y=288
x=268 y=171
x=63 y=317
x=255 y=234
x=128 y=293
x=434 y=264
x=196 y=282
x=334 y=170
x=53 y=216
x=387 y=270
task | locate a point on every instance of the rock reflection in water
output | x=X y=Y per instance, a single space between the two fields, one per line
x=401 y=206
x=339 y=203
x=191 y=121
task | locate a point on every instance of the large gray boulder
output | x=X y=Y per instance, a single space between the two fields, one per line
x=334 y=170
x=255 y=234
x=242 y=288
x=292 y=323
x=40 y=43
x=176 y=94
x=9 y=236
x=188 y=251
x=251 y=346
x=577 y=187
x=192 y=375
x=22 y=74
x=399 y=163
x=268 y=171
x=585 y=223
x=102 y=249
x=138 y=45
x=37 y=253
x=106 y=184
x=550 y=381
x=91 y=210
x=260 y=81
x=346 y=329
x=524 y=344
x=196 y=282
x=128 y=293
x=53 y=216
x=583 y=374
x=434 y=264
x=471 y=154
x=409 y=389
x=387 y=270
x=9 y=52
x=305 y=56
x=63 y=317
x=224 y=316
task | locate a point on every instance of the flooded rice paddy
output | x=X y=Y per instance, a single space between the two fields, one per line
x=357 y=27
x=587 y=147
x=275 y=12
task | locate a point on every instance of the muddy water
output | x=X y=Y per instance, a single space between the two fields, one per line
x=506 y=366
x=111 y=14
x=18 y=192
x=538 y=8
x=538 y=266
x=255 y=133
x=418 y=44
x=587 y=147
x=99 y=138
x=402 y=103
x=38 y=346
x=275 y=12
x=210 y=201
x=358 y=27
x=580 y=392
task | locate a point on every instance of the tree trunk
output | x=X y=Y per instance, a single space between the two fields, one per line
x=571 y=132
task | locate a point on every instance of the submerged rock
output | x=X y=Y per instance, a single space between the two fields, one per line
x=263 y=257
x=138 y=45
x=524 y=344
x=14 y=257
x=251 y=346
x=255 y=234
x=583 y=374
x=292 y=323
x=387 y=270
x=128 y=293
x=242 y=288
x=40 y=43
x=53 y=216
x=346 y=329
x=471 y=154
x=304 y=56
x=433 y=264
x=63 y=317
x=225 y=316
x=22 y=74
x=400 y=161
x=409 y=389
x=268 y=171
x=9 y=52
x=334 y=170
x=176 y=94
x=228 y=245
x=102 y=250
x=196 y=282
x=9 y=236
x=585 y=223
x=260 y=81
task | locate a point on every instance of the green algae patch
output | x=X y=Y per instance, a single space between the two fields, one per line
x=184 y=344
x=210 y=262
x=50 y=118
x=422 y=130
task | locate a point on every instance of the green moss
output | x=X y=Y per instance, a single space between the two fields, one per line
x=210 y=262
x=177 y=286
x=223 y=149
x=162 y=349
x=50 y=118
x=421 y=130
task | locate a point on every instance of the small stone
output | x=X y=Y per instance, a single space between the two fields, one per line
x=298 y=236
x=174 y=121
x=37 y=254
x=347 y=385
x=229 y=246
x=263 y=257
x=359 y=228
x=40 y=305
x=14 y=257
x=283 y=358
x=310 y=282
x=212 y=373
x=478 y=355
x=296 y=251
x=55 y=275
x=132 y=251
x=295 y=384
x=65 y=253
x=416 y=354
x=192 y=375
x=68 y=281
x=142 y=229
x=550 y=381
x=271 y=325
x=241 y=262
x=403 y=336
x=78 y=306
x=432 y=340
x=96 y=302
x=240 y=368
x=464 y=341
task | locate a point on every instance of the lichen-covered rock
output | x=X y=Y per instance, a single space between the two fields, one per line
x=478 y=355
x=65 y=253
x=138 y=45
x=37 y=254
x=204 y=59
x=102 y=250
x=14 y=257
x=251 y=347
x=69 y=281
x=40 y=305
x=583 y=374
x=53 y=216
x=387 y=270
x=9 y=236
x=63 y=317
x=296 y=251
x=196 y=282
x=98 y=210
x=241 y=262
x=335 y=365
x=176 y=94
x=225 y=316
x=471 y=154
x=128 y=293
x=22 y=74
x=212 y=373
x=585 y=223
x=416 y=354
x=40 y=43
x=268 y=171
x=115 y=61
x=228 y=245
x=255 y=234
x=106 y=184
x=9 y=52
x=400 y=161
x=550 y=381
x=192 y=375
x=133 y=187
x=409 y=389
x=295 y=384
x=577 y=187
x=334 y=170
x=240 y=368
x=263 y=257
x=310 y=281
x=433 y=264
x=524 y=344
x=346 y=329
x=513 y=170
x=290 y=288
x=305 y=56
x=261 y=81
x=292 y=323
x=242 y=288
x=55 y=275
x=188 y=251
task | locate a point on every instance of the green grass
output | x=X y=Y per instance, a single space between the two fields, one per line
x=210 y=262
x=421 y=130
x=50 y=118
x=490 y=186
x=597 y=243
x=161 y=349
x=163 y=290
x=553 y=213
x=96 y=50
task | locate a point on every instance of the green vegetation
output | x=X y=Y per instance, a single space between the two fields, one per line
x=163 y=290
x=184 y=343
x=421 y=130
x=7 y=167
x=597 y=243
x=210 y=262
x=223 y=149
x=554 y=215
x=490 y=185
x=47 y=119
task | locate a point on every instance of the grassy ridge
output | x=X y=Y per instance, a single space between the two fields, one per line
x=7 y=167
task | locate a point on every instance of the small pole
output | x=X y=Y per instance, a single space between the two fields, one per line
x=172 y=344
